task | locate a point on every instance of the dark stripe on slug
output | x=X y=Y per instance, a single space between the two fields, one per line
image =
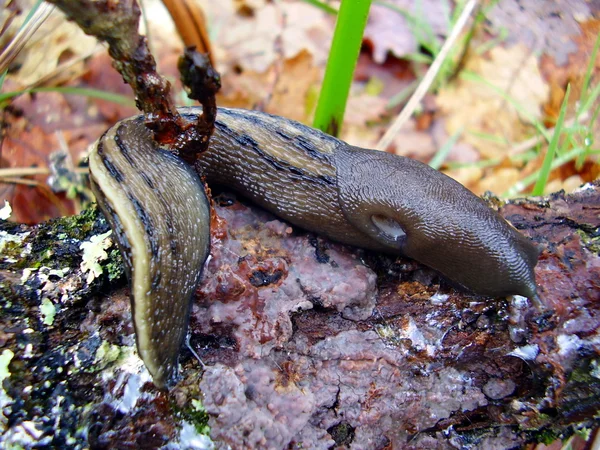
x=146 y=179
x=100 y=146
x=295 y=173
x=156 y=280
x=146 y=223
x=281 y=134
x=112 y=170
x=245 y=140
x=310 y=148
x=171 y=230
x=122 y=147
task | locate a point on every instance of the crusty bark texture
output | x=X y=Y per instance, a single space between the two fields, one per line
x=304 y=343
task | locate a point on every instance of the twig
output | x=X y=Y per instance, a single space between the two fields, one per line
x=421 y=90
x=24 y=181
x=29 y=171
x=116 y=23
x=191 y=25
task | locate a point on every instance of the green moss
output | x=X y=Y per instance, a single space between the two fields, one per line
x=106 y=354
x=546 y=436
x=199 y=417
x=114 y=265
x=591 y=242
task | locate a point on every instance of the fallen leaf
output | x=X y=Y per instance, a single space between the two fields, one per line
x=54 y=42
x=390 y=31
x=544 y=27
x=572 y=73
x=499 y=181
x=481 y=111
x=271 y=30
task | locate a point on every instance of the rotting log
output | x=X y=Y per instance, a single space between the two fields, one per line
x=306 y=343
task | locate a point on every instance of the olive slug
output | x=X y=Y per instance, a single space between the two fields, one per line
x=160 y=215
x=360 y=197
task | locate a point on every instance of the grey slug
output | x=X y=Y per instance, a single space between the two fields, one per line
x=360 y=197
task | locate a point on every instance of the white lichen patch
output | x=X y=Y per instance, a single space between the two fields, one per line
x=94 y=251
x=568 y=343
x=526 y=352
x=130 y=375
x=584 y=188
x=5 y=211
x=190 y=438
x=48 y=311
x=438 y=299
x=26 y=274
x=419 y=341
x=5 y=400
x=6 y=238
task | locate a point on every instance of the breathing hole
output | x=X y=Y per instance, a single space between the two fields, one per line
x=388 y=227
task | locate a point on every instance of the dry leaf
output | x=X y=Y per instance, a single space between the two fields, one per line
x=389 y=30
x=30 y=138
x=574 y=72
x=543 y=26
x=298 y=75
x=54 y=42
x=499 y=181
x=478 y=109
x=468 y=176
x=251 y=39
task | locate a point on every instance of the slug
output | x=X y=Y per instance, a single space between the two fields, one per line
x=359 y=197
x=368 y=199
x=160 y=215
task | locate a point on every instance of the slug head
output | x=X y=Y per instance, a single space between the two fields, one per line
x=421 y=213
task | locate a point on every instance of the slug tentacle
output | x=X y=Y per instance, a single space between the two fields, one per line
x=160 y=214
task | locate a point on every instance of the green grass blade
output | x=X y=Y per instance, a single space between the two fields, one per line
x=588 y=140
x=31 y=13
x=441 y=155
x=323 y=6
x=403 y=95
x=540 y=184
x=87 y=92
x=588 y=72
x=563 y=159
x=589 y=99
x=2 y=78
x=347 y=39
x=472 y=76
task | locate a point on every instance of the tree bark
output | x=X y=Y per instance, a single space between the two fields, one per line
x=305 y=343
